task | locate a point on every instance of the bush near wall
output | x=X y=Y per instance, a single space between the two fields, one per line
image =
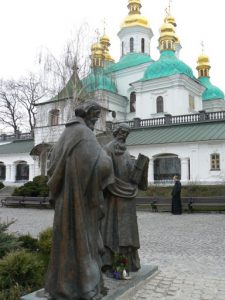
x=193 y=190
x=36 y=188
x=23 y=262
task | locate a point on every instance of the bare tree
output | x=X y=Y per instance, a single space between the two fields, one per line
x=17 y=103
x=10 y=108
x=29 y=91
x=62 y=76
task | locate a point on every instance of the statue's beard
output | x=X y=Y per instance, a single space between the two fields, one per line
x=119 y=147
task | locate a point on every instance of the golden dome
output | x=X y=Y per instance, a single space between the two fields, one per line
x=203 y=60
x=135 y=20
x=97 y=55
x=203 y=66
x=134 y=17
x=171 y=20
x=168 y=37
x=167 y=30
x=96 y=48
x=105 y=42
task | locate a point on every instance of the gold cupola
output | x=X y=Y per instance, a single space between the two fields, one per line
x=97 y=55
x=105 y=42
x=168 y=38
x=134 y=17
x=203 y=66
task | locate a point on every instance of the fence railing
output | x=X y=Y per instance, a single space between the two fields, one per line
x=168 y=119
x=16 y=136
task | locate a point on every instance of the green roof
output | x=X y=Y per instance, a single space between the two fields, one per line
x=98 y=80
x=130 y=60
x=17 y=147
x=177 y=134
x=211 y=92
x=167 y=65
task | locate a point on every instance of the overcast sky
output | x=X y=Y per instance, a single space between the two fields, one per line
x=28 y=25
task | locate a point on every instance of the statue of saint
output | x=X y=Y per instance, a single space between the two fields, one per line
x=79 y=171
x=119 y=226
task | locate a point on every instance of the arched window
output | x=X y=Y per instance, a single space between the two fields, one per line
x=122 y=48
x=132 y=102
x=159 y=104
x=131 y=44
x=201 y=73
x=54 y=117
x=143 y=45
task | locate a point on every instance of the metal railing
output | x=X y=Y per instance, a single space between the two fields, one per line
x=168 y=119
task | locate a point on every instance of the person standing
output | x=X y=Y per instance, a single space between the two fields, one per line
x=119 y=226
x=176 y=199
x=79 y=171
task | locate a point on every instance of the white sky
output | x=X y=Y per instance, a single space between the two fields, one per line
x=27 y=25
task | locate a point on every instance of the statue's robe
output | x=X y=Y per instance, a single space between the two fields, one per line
x=119 y=226
x=79 y=171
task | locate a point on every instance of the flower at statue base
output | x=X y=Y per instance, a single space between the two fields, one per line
x=120 y=263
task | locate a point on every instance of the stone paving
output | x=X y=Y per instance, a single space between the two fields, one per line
x=189 y=250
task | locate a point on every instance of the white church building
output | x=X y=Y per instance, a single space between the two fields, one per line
x=176 y=119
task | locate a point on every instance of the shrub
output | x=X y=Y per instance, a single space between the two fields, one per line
x=191 y=190
x=14 y=293
x=1 y=185
x=35 y=188
x=28 y=242
x=45 y=245
x=8 y=241
x=21 y=268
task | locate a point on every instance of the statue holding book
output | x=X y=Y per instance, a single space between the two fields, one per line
x=119 y=227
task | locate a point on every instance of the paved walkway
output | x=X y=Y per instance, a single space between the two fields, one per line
x=189 y=250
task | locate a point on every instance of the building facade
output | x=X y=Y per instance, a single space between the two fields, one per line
x=176 y=119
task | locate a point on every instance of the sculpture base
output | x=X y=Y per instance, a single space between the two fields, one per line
x=115 y=287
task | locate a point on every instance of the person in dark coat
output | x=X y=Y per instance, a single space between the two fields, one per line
x=79 y=171
x=176 y=200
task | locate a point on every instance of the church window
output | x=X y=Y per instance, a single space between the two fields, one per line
x=191 y=103
x=122 y=48
x=54 y=117
x=169 y=45
x=131 y=44
x=215 y=161
x=133 y=102
x=159 y=104
x=143 y=45
x=201 y=73
x=2 y=171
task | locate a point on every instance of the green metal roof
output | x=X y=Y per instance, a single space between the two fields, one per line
x=177 y=134
x=167 y=65
x=17 y=147
x=211 y=92
x=130 y=60
x=98 y=80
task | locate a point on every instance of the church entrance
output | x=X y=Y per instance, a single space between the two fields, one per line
x=2 y=171
x=22 y=171
x=166 y=166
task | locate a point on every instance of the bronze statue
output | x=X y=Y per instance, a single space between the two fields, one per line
x=79 y=171
x=119 y=226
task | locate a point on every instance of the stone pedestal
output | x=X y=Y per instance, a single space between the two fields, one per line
x=116 y=288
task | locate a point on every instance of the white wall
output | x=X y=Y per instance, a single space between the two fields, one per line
x=199 y=155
